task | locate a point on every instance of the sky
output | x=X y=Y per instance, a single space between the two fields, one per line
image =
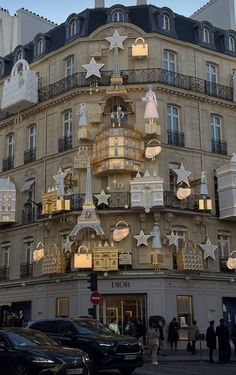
x=58 y=10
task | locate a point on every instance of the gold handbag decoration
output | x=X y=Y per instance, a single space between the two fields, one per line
x=231 y=262
x=83 y=259
x=121 y=231
x=183 y=193
x=82 y=159
x=189 y=258
x=39 y=252
x=152 y=151
x=139 y=48
x=54 y=261
x=125 y=258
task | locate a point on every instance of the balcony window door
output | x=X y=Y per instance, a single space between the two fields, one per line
x=170 y=61
x=32 y=137
x=10 y=146
x=29 y=247
x=67 y=123
x=6 y=248
x=69 y=66
x=215 y=128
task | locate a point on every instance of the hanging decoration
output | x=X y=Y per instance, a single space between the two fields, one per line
x=125 y=258
x=142 y=238
x=51 y=203
x=105 y=258
x=147 y=191
x=189 y=257
x=60 y=184
x=173 y=240
x=204 y=202
x=121 y=231
x=7 y=200
x=39 y=252
x=151 y=113
x=67 y=247
x=116 y=41
x=93 y=68
x=83 y=122
x=182 y=175
x=20 y=91
x=83 y=258
x=82 y=159
x=231 y=261
x=157 y=260
x=183 y=190
x=102 y=198
x=139 y=48
x=54 y=261
x=152 y=151
x=156 y=237
x=209 y=249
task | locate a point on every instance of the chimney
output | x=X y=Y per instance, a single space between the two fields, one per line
x=141 y=2
x=99 y=4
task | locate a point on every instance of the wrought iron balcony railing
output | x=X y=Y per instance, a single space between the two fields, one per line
x=175 y=138
x=219 y=147
x=8 y=163
x=65 y=143
x=26 y=270
x=190 y=203
x=29 y=155
x=30 y=214
x=4 y=273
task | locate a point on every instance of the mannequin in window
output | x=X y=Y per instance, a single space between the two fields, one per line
x=151 y=112
x=83 y=122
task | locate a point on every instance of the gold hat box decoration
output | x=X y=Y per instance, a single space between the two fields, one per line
x=53 y=204
x=190 y=257
x=105 y=258
x=118 y=149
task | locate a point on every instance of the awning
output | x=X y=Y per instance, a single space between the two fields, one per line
x=27 y=185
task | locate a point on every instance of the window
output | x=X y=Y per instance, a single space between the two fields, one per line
x=170 y=61
x=62 y=307
x=32 y=136
x=172 y=175
x=69 y=66
x=67 y=123
x=72 y=28
x=224 y=250
x=231 y=44
x=172 y=118
x=29 y=247
x=19 y=55
x=2 y=66
x=118 y=16
x=166 y=22
x=39 y=47
x=6 y=248
x=10 y=146
x=185 y=315
x=215 y=122
x=211 y=73
x=206 y=35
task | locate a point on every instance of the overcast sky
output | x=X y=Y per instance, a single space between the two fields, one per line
x=59 y=10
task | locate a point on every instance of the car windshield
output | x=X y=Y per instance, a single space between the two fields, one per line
x=91 y=326
x=30 y=339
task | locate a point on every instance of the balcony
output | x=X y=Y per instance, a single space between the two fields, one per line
x=218 y=147
x=26 y=270
x=8 y=163
x=65 y=143
x=30 y=214
x=188 y=204
x=4 y=273
x=29 y=155
x=175 y=138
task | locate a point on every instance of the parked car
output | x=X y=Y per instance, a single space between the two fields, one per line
x=29 y=352
x=105 y=349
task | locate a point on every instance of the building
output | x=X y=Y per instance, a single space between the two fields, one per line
x=220 y=13
x=20 y=29
x=108 y=184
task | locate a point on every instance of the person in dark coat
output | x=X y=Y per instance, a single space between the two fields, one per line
x=173 y=333
x=222 y=333
x=233 y=337
x=140 y=332
x=211 y=340
x=161 y=338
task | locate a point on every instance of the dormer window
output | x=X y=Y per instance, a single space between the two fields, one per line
x=73 y=26
x=118 y=16
x=19 y=54
x=206 y=35
x=166 y=22
x=72 y=29
x=39 y=47
x=2 y=68
x=231 y=43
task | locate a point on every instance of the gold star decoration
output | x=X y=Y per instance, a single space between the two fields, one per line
x=102 y=198
x=209 y=249
x=93 y=69
x=116 y=40
x=126 y=206
x=142 y=238
x=173 y=240
x=182 y=174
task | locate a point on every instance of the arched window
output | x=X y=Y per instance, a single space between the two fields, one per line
x=118 y=16
x=206 y=35
x=19 y=54
x=166 y=22
x=72 y=28
x=39 y=47
x=231 y=43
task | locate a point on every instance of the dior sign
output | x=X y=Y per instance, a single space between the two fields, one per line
x=120 y=284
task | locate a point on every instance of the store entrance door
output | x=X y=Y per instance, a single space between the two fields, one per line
x=132 y=306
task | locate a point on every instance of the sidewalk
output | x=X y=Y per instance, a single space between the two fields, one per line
x=182 y=355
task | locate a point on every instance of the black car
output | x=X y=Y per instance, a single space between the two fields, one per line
x=28 y=352
x=105 y=349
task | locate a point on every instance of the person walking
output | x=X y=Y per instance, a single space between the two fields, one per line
x=153 y=342
x=173 y=333
x=224 y=350
x=114 y=326
x=161 y=338
x=211 y=340
x=193 y=333
x=140 y=332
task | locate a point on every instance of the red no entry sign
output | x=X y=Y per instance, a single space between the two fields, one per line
x=95 y=298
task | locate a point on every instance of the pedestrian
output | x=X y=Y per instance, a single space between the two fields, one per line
x=211 y=340
x=173 y=333
x=224 y=349
x=153 y=342
x=129 y=328
x=233 y=337
x=161 y=338
x=114 y=326
x=193 y=334
x=140 y=332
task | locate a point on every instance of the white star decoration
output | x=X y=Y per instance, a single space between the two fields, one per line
x=142 y=238
x=173 y=239
x=93 y=68
x=182 y=174
x=116 y=40
x=209 y=249
x=102 y=198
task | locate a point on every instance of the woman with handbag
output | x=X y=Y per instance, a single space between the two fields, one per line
x=153 y=343
x=151 y=105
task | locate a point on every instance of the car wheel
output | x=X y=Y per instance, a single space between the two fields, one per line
x=127 y=370
x=21 y=369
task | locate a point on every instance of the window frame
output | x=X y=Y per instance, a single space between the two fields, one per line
x=211 y=71
x=118 y=16
x=6 y=249
x=206 y=35
x=69 y=70
x=67 y=122
x=172 y=118
x=167 y=60
x=231 y=42
x=29 y=248
x=10 y=145
x=166 y=22
x=216 y=127
x=32 y=136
